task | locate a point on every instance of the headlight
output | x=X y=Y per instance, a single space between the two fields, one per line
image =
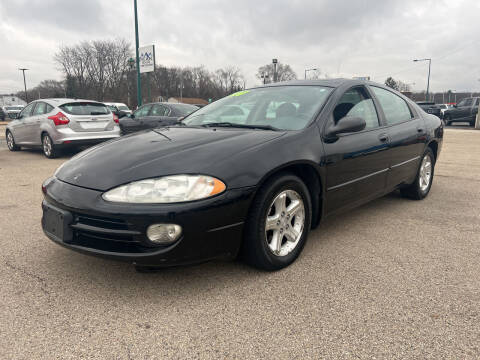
x=168 y=189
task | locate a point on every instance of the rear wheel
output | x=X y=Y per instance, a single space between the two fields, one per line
x=11 y=142
x=49 y=148
x=423 y=182
x=278 y=223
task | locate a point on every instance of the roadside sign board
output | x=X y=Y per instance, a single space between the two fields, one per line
x=147 y=58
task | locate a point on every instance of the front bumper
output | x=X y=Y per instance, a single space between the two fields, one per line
x=212 y=228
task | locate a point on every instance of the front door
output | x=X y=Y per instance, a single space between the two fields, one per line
x=356 y=163
x=20 y=126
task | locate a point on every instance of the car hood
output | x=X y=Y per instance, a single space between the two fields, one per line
x=160 y=152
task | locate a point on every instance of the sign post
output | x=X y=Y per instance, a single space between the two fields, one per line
x=147 y=63
x=139 y=82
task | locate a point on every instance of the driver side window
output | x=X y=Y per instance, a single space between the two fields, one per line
x=26 y=112
x=356 y=102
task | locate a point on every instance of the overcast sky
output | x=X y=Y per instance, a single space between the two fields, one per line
x=377 y=38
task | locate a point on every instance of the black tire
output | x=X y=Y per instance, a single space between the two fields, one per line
x=50 y=151
x=415 y=191
x=255 y=248
x=11 y=144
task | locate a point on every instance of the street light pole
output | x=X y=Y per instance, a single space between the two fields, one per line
x=139 y=82
x=24 y=83
x=306 y=70
x=428 y=80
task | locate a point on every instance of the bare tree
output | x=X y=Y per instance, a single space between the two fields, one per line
x=284 y=72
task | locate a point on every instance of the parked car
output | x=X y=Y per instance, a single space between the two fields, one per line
x=54 y=124
x=153 y=115
x=2 y=114
x=118 y=108
x=465 y=111
x=211 y=188
x=430 y=108
x=12 y=111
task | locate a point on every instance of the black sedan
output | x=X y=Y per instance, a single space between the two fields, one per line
x=153 y=115
x=254 y=185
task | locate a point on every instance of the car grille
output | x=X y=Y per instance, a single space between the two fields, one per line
x=106 y=234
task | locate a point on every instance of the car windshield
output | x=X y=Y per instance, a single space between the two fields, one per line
x=184 y=109
x=85 y=108
x=123 y=107
x=276 y=107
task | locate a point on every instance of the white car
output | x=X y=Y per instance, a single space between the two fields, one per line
x=443 y=108
x=12 y=111
x=115 y=107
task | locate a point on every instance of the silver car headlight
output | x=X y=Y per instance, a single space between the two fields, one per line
x=167 y=189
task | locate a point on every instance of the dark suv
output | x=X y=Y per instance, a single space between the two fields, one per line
x=465 y=111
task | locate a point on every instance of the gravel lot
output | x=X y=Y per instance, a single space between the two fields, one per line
x=393 y=279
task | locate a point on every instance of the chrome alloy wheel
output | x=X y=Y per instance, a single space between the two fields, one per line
x=47 y=145
x=285 y=222
x=425 y=175
x=10 y=142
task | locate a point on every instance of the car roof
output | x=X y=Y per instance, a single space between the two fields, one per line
x=61 y=101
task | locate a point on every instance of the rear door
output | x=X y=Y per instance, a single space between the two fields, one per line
x=356 y=163
x=407 y=133
x=34 y=121
x=88 y=116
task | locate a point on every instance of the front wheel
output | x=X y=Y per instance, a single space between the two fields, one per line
x=423 y=182
x=278 y=223
x=48 y=147
x=11 y=142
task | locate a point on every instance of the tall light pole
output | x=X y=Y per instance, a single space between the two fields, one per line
x=307 y=70
x=139 y=82
x=428 y=80
x=24 y=83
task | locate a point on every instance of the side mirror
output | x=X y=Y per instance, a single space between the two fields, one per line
x=346 y=124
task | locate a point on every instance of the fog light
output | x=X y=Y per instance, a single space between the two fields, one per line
x=164 y=233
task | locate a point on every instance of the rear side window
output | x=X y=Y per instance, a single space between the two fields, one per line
x=159 y=110
x=40 y=109
x=85 y=108
x=394 y=107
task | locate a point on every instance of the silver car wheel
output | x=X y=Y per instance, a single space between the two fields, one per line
x=47 y=145
x=285 y=222
x=10 y=141
x=425 y=175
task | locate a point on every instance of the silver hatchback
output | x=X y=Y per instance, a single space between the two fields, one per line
x=54 y=124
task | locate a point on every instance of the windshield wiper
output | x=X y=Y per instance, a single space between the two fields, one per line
x=243 y=126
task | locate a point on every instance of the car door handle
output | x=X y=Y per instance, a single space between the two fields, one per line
x=383 y=137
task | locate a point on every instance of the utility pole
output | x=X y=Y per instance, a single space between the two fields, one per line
x=24 y=83
x=428 y=80
x=139 y=82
